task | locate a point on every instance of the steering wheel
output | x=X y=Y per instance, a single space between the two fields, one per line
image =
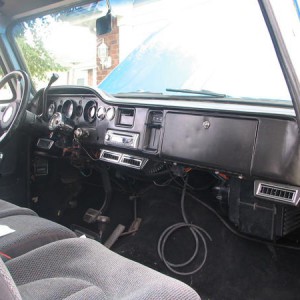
x=12 y=115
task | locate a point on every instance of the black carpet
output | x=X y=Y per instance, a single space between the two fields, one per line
x=235 y=268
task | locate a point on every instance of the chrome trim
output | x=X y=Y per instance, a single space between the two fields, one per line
x=201 y=105
x=102 y=156
x=282 y=187
x=121 y=157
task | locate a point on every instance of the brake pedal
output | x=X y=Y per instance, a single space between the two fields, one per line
x=135 y=225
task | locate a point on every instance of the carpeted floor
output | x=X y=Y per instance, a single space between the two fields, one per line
x=235 y=268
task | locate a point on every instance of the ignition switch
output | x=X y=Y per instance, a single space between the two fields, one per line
x=80 y=133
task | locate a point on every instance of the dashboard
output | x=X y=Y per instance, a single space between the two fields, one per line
x=241 y=144
x=257 y=156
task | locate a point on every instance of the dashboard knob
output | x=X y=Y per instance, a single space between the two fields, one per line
x=60 y=122
x=81 y=133
x=107 y=137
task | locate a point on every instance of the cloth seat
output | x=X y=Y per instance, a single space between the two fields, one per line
x=8 y=209
x=31 y=231
x=81 y=268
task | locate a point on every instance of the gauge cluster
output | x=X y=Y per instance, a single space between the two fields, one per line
x=82 y=110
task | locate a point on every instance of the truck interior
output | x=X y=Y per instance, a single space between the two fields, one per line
x=149 y=149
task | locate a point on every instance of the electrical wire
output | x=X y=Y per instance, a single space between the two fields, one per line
x=86 y=175
x=92 y=158
x=166 y=183
x=198 y=234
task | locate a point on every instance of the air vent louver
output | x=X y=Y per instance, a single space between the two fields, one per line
x=277 y=192
x=110 y=156
x=132 y=161
x=123 y=159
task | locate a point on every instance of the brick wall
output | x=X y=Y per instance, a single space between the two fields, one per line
x=112 y=41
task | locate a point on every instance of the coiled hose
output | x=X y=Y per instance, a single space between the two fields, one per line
x=198 y=233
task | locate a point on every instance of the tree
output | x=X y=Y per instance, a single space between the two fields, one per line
x=30 y=39
x=39 y=61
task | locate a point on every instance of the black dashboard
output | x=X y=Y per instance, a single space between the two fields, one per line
x=245 y=145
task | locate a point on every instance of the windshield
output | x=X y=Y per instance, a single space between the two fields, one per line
x=201 y=48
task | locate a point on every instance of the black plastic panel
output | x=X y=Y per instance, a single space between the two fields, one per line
x=277 y=154
x=227 y=143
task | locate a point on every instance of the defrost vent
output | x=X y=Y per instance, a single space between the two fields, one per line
x=123 y=159
x=277 y=192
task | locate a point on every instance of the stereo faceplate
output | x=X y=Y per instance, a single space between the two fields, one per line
x=121 y=138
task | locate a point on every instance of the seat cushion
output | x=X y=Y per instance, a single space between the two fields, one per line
x=30 y=232
x=8 y=289
x=8 y=209
x=99 y=270
x=65 y=288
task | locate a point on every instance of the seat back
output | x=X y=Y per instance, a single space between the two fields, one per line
x=8 y=288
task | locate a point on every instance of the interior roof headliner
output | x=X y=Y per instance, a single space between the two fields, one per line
x=15 y=9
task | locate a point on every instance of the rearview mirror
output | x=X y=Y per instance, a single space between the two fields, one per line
x=103 y=24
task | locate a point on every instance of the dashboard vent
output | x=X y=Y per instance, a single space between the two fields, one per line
x=123 y=159
x=131 y=161
x=110 y=156
x=277 y=192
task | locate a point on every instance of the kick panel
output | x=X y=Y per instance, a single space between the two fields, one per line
x=223 y=143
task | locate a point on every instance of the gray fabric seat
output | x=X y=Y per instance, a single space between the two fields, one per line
x=84 y=269
x=8 y=209
x=30 y=230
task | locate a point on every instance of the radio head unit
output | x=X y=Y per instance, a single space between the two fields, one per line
x=121 y=138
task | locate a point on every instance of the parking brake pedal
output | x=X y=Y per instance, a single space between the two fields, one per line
x=135 y=225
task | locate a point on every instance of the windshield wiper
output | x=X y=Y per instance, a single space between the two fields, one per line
x=199 y=92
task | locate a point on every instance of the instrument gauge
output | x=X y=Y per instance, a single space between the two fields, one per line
x=92 y=112
x=110 y=113
x=101 y=113
x=68 y=108
x=51 y=110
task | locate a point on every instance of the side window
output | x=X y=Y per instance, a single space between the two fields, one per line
x=6 y=93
